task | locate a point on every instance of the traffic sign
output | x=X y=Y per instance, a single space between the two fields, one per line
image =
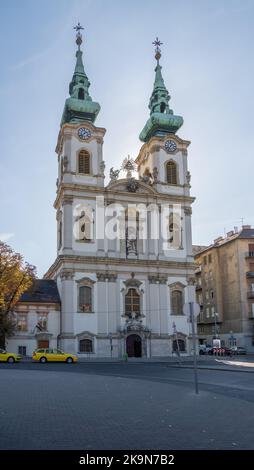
x=196 y=309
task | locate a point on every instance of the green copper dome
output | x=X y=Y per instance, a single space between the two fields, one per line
x=80 y=106
x=162 y=120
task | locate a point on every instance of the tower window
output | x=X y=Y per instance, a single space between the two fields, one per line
x=85 y=299
x=84 y=162
x=171 y=172
x=81 y=95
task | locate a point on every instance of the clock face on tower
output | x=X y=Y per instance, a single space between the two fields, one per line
x=170 y=146
x=84 y=133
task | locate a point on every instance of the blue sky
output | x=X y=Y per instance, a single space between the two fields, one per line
x=208 y=67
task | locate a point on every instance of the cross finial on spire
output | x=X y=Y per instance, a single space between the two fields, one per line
x=78 y=28
x=157 y=43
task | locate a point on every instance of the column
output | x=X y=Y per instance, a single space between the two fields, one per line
x=67 y=224
x=67 y=311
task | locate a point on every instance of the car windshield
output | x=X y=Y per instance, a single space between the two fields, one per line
x=2 y=351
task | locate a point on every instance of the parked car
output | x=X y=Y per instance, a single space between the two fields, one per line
x=53 y=355
x=238 y=350
x=9 y=357
x=227 y=351
x=205 y=349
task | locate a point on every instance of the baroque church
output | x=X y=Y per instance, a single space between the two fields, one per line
x=124 y=267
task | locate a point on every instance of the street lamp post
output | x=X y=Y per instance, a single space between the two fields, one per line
x=111 y=345
x=216 y=330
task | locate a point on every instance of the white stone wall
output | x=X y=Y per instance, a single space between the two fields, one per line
x=28 y=338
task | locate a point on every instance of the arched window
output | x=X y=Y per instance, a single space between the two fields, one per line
x=84 y=163
x=179 y=345
x=86 y=346
x=171 y=172
x=81 y=95
x=85 y=299
x=132 y=303
x=177 y=302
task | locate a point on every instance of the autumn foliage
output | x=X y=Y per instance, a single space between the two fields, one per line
x=16 y=277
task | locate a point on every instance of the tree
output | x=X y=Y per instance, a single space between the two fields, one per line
x=16 y=276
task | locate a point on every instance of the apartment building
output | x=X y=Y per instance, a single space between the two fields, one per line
x=225 y=289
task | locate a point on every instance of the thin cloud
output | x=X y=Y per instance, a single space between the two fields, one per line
x=4 y=237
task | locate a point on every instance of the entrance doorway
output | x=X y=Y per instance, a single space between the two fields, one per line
x=43 y=344
x=134 y=346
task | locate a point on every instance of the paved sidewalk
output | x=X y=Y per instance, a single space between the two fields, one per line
x=53 y=408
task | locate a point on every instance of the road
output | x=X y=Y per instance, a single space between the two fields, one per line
x=124 y=406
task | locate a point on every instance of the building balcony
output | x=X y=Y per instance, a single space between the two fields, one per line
x=250 y=294
x=199 y=287
x=249 y=254
x=250 y=274
x=210 y=321
x=198 y=270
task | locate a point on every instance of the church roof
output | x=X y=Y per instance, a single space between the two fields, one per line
x=162 y=120
x=42 y=290
x=79 y=106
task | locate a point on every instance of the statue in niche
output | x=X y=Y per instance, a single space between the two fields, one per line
x=131 y=241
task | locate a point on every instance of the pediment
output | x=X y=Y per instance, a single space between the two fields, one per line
x=131 y=186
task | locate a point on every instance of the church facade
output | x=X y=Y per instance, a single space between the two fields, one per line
x=124 y=265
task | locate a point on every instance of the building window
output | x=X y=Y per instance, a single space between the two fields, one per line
x=22 y=350
x=171 y=172
x=251 y=268
x=179 y=345
x=86 y=346
x=207 y=313
x=85 y=299
x=22 y=323
x=177 y=302
x=132 y=303
x=205 y=260
x=84 y=162
x=209 y=258
x=251 y=249
x=42 y=323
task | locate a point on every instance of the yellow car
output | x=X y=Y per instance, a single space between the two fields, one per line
x=53 y=355
x=9 y=357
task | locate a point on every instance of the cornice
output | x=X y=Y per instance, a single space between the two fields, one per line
x=108 y=192
x=67 y=130
x=156 y=143
x=146 y=264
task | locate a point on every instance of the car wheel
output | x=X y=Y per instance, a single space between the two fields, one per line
x=43 y=359
x=11 y=359
x=69 y=360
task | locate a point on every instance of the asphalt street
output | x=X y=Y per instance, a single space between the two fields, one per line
x=124 y=406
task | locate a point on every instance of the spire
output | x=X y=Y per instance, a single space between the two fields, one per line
x=162 y=121
x=79 y=107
